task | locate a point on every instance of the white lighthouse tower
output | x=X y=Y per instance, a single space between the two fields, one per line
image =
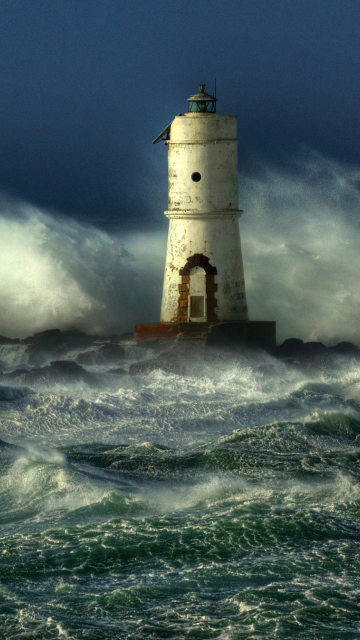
x=204 y=275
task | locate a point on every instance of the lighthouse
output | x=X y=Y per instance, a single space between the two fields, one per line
x=204 y=284
x=204 y=275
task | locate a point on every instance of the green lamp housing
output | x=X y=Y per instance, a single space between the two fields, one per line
x=202 y=102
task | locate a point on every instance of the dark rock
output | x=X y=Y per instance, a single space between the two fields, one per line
x=4 y=340
x=314 y=352
x=29 y=377
x=67 y=367
x=295 y=348
x=89 y=358
x=12 y=375
x=346 y=348
x=290 y=348
x=67 y=370
x=253 y=333
x=54 y=342
x=51 y=338
x=304 y=354
x=314 y=348
x=112 y=352
x=118 y=372
x=60 y=371
x=10 y=394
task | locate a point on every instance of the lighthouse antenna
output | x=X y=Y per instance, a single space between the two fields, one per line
x=215 y=89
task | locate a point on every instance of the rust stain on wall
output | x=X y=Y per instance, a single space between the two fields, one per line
x=183 y=304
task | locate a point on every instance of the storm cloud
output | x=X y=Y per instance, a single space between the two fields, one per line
x=86 y=87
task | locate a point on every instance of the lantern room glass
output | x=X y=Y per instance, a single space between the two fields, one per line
x=202 y=106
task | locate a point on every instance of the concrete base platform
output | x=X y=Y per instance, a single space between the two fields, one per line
x=256 y=333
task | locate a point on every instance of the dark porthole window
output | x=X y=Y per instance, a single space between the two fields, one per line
x=196 y=176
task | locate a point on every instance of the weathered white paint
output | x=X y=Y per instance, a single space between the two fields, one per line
x=204 y=215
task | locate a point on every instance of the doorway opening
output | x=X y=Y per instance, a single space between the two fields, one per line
x=197 y=294
x=204 y=287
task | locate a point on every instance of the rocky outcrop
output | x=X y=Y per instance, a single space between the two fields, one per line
x=4 y=340
x=293 y=348
x=118 y=372
x=55 y=344
x=10 y=394
x=59 y=371
x=181 y=356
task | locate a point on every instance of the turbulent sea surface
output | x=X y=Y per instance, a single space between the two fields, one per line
x=223 y=503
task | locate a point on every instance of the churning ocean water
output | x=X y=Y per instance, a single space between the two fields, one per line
x=223 y=503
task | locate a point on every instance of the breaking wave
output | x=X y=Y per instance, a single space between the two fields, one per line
x=219 y=505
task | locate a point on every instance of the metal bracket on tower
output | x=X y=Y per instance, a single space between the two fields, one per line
x=163 y=133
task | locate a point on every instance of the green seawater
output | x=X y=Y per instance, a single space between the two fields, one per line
x=219 y=506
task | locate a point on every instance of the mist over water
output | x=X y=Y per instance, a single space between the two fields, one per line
x=300 y=237
x=301 y=244
x=58 y=273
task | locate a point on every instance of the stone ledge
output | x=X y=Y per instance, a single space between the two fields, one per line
x=256 y=333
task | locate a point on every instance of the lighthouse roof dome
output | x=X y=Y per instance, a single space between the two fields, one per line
x=202 y=102
x=202 y=95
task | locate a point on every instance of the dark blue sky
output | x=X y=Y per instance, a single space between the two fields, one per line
x=86 y=85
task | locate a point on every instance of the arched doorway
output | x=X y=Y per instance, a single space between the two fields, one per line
x=197 y=282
